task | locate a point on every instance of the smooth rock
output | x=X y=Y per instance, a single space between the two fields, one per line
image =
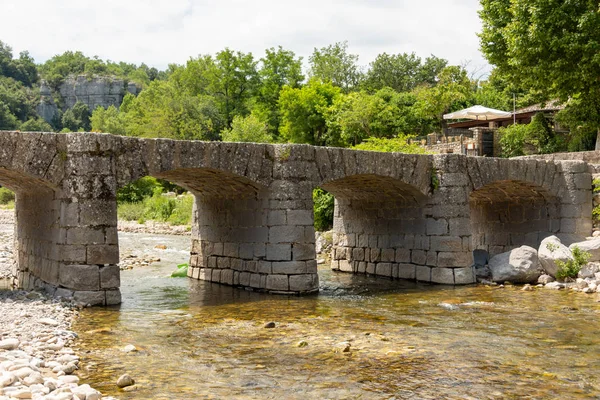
x=129 y=348
x=592 y=246
x=48 y=321
x=9 y=344
x=519 y=265
x=589 y=270
x=545 y=278
x=527 y=288
x=550 y=251
x=269 y=325
x=554 y=285
x=125 y=380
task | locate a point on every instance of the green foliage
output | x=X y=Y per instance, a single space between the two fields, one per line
x=303 y=113
x=247 y=129
x=570 y=268
x=108 y=120
x=513 y=139
x=550 y=46
x=158 y=207
x=6 y=195
x=402 y=72
x=323 y=206
x=35 y=125
x=20 y=69
x=334 y=64
x=139 y=190
x=399 y=144
x=77 y=118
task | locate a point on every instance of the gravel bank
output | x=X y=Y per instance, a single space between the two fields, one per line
x=153 y=227
x=36 y=360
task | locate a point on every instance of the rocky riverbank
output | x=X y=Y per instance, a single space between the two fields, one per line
x=36 y=357
x=153 y=227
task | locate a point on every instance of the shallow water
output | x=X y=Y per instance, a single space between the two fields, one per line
x=200 y=340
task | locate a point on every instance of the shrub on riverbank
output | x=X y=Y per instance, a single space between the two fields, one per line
x=158 y=207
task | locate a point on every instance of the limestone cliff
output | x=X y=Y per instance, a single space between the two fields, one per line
x=96 y=91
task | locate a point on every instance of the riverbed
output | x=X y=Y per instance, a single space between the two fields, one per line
x=360 y=338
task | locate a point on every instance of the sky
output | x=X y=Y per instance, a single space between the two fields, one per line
x=160 y=32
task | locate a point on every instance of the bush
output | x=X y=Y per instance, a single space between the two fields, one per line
x=6 y=195
x=131 y=211
x=570 y=268
x=323 y=204
x=513 y=139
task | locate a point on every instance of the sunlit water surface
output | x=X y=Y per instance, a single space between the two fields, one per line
x=407 y=341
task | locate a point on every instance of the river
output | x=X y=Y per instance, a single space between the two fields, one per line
x=198 y=340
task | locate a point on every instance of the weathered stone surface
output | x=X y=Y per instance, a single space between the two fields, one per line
x=552 y=250
x=80 y=277
x=520 y=265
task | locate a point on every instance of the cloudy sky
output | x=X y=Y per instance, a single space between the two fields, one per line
x=160 y=32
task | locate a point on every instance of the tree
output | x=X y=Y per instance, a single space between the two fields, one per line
x=35 y=125
x=452 y=90
x=247 y=129
x=398 y=144
x=279 y=68
x=402 y=72
x=77 y=118
x=334 y=64
x=108 y=120
x=303 y=112
x=551 y=46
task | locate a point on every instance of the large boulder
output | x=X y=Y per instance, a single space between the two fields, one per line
x=519 y=265
x=592 y=246
x=552 y=250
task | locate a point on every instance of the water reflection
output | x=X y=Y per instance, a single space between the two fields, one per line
x=201 y=340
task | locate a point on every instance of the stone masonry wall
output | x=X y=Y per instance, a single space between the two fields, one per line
x=397 y=215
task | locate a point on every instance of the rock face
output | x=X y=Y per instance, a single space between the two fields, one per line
x=94 y=92
x=552 y=250
x=519 y=265
x=592 y=246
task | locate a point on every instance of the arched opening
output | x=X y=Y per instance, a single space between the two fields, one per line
x=379 y=226
x=226 y=217
x=508 y=214
x=31 y=255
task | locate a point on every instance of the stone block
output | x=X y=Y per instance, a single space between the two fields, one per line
x=236 y=264
x=304 y=283
x=358 y=254
x=95 y=297
x=302 y=251
x=263 y=267
x=244 y=279
x=227 y=276
x=223 y=262
x=277 y=282
x=406 y=271
x=231 y=249
x=113 y=297
x=279 y=252
x=246 y=251
x=215 y=276
x=431 y=258
x=85 y=236
x=446 y=243
x=464 y=276
x=374 y=255
x=286 y=234
x=362 y=267
x=402 y=255
x=345 y=266
x=442 y=275
x=79 y=277
x=418 y=257
x=454 y=259
x=110 y=277
x=102 y=254
x=423 y=274
x=205 y=274
x=276 y=217
x=73 y=253
x=437 y=226
x=384 y=269
x=300 y=217
x=388 y=255
x=371 y=268
x=69 y=214
x=289 y=267
x=460 y=227
x=260 y=250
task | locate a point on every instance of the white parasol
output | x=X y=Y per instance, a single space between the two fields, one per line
x=479 y=113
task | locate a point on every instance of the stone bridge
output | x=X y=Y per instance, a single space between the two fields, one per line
x=397 y=215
